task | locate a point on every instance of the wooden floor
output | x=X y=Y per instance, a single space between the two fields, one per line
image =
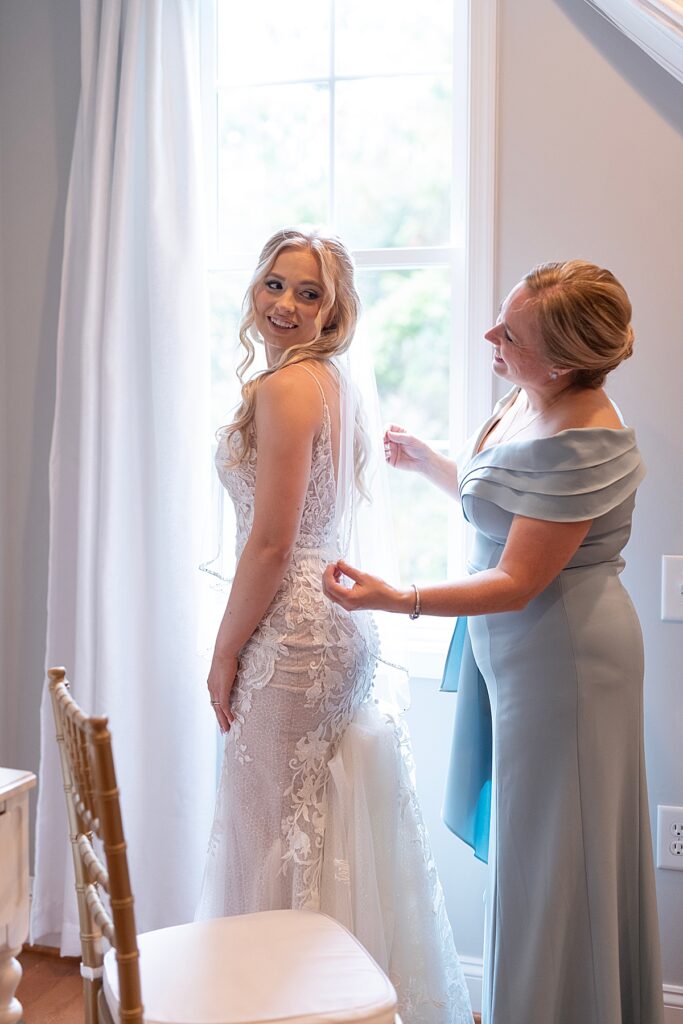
x=50 y=989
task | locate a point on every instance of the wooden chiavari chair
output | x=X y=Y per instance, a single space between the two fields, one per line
x=291 y=966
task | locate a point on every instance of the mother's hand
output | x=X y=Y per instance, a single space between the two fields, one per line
x=222 y=675
x=367 y=591
x=403 y=450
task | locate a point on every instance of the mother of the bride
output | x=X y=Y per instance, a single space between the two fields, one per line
x=548 y=741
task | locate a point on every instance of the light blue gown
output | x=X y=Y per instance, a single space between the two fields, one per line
x=549 y=739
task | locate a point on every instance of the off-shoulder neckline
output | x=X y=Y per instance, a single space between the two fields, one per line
x=487 y=426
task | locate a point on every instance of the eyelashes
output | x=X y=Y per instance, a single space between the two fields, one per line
x=308 y=295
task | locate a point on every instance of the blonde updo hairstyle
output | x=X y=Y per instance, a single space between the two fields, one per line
x=336 y=323
x=584 y=316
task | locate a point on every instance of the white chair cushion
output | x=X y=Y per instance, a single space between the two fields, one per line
x=283 y=965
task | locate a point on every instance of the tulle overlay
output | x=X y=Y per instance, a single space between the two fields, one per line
x=316 y=804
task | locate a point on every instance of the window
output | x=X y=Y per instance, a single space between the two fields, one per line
x=341 y=112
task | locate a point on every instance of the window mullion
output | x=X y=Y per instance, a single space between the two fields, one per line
x=366 y=259
x=332 y=192
x=406 y=259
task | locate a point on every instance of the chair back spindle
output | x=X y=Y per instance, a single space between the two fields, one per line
x=94 y=810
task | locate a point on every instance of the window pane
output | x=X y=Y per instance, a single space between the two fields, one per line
x=226 y=293
x=393 y=176
x=420 y=518
x=406 y=321
x=375 y=38
x=272 y=163
x=407 y=325
x=271 y=41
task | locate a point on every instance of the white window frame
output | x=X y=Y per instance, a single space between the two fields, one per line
x=471 y=264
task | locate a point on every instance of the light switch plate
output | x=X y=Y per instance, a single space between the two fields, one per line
x=672 y=588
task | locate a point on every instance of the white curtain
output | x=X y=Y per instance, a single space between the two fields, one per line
x=128 y=466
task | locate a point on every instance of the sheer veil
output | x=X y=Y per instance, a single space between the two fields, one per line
x=364 y=525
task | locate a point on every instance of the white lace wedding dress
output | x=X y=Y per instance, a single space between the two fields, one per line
x=316 y=805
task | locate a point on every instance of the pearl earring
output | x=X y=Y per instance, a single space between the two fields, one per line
x=553 y=374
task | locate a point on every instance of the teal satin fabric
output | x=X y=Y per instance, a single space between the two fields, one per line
x=467 y=802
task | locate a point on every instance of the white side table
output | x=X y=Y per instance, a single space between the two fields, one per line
x=14 y=788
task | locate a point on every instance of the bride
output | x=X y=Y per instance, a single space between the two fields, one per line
x=316 y=806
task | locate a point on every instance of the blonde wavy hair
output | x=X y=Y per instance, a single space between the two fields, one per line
x=584 y=316
x=336 y=320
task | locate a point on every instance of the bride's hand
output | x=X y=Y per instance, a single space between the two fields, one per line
x=367 y=591
x=403 y=450
x=222 y=675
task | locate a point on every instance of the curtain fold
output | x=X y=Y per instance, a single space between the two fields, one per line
x=129 y=469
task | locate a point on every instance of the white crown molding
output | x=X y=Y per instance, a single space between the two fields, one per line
x=655 y=25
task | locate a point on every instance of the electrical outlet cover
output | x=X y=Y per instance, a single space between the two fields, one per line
x=670 y=838
x=672 y=588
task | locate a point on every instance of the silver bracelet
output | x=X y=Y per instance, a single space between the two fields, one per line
x=417 y=609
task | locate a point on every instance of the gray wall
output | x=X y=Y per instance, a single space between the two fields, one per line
x=590 y=163
x=39 y=84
